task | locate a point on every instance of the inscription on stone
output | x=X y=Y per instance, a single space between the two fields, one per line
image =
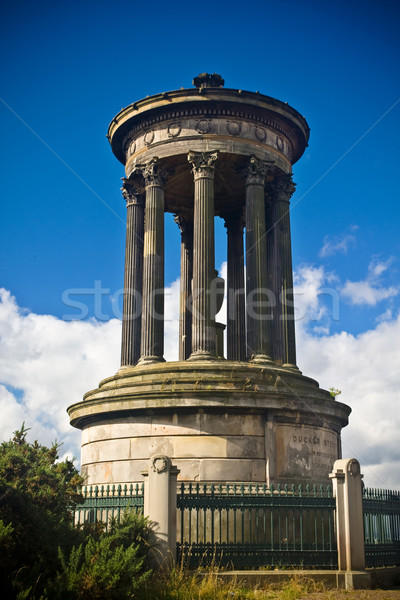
x=305 y=450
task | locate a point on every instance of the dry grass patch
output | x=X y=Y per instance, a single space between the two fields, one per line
x=180 y=584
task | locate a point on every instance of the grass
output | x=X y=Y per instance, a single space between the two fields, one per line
x=180 y=584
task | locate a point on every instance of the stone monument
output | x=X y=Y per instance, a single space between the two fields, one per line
x=253 y=416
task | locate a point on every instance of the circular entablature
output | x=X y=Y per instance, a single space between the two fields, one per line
x=228 y=113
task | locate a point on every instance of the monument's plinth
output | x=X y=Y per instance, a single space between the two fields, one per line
x=217 y=420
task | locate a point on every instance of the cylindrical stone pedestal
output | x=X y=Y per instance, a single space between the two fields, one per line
x=218 y=421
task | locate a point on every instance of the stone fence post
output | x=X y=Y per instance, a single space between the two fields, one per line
x=347 y=489
x=160 y=507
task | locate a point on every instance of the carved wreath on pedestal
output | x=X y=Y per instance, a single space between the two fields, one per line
x=159 y=464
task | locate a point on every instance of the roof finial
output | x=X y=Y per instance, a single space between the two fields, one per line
x=206 y=80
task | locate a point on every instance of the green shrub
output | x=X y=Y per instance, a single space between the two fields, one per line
x=37 y=497
x=113 y=566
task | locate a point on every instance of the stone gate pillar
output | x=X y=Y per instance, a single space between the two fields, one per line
x=203 y=324
x=133 y=280
x=160 y=507
x=347 y=489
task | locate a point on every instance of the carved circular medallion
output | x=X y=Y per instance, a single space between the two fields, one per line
x=204 y=126
x=233 y=127
x=174 y=129
x=159 y=464
x=279 y=143
x=149 y=138
x=131 y=148
x=260 y=134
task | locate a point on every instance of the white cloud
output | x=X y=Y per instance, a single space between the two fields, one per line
x=48 y=364
x=370 y=290
x=363 y=292
x=385 y=316
x=338 y=244
x=365 y=369
x=315 y=300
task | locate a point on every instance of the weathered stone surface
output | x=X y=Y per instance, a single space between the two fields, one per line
x=303 y=451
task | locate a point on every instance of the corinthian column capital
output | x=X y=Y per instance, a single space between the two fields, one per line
x=153 y=172
x=202 y=163
x=283 y=187
x=132 y=191
x=185 y=227
x=257 y=170
x=180 y=221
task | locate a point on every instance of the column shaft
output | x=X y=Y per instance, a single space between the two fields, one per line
x=282 y=275
x=152 y=338
x=185 y=313
x=257 y=296
x=132 y=301
x=236 y=308
x=203 y=324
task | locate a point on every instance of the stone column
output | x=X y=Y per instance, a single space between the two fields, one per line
x=280 y=268
x=132 y=306
x=236 y=326
x=152 y=335
x=257 y=293
x=347 y=489
x=185 y=312
x=203 y=324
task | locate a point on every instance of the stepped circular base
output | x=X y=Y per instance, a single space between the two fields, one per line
x=217 y=421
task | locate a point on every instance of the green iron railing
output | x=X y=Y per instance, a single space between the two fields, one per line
x=381 y=527
x=248 y=525
x=254 y=526
x=106 y=502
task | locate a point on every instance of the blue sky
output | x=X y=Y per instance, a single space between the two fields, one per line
x=68 y=68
